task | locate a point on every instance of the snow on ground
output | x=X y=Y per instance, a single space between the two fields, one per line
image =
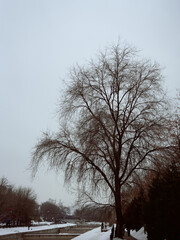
x=4 y=231
x=140 y=235
x=40 y=223
x=94 y=234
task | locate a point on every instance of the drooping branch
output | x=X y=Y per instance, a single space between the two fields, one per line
x=113 y=120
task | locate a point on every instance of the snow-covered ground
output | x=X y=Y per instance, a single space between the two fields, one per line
x=4 y=231
x=140 y=235
x=94 y=234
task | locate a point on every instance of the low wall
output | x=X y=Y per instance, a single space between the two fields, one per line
x=14 y=236
x=64 y=233
x=20 y=236
x=49 y=236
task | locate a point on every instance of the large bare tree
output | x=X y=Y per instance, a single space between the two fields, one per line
x=112 y=123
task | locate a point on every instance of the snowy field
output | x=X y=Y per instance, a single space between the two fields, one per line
x=94 y=234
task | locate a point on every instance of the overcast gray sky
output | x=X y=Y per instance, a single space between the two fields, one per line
x=40 y=40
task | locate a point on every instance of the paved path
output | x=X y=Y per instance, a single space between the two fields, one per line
x=129 y=237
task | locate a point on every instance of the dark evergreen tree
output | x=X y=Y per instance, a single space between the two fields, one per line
x=133 y=216
x=163 y=208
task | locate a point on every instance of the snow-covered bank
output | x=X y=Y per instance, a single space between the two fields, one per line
x=4 y=231
x=94 y=234
x=140 y=235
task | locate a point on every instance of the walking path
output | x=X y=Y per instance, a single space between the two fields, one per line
x=129 y=237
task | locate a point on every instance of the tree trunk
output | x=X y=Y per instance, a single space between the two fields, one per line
x=119 y=217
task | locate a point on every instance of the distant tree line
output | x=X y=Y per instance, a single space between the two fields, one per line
x=52 y=212
x=18 y=207
x=94 y=213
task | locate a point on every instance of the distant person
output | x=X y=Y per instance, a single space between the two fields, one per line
x=29 y=224
x=102 y=226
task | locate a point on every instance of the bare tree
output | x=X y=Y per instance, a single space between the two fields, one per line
x=50 y=211
x=172 y=154
x=6 y=193
x=24 y=205
x=17 y=205
x=112 y=123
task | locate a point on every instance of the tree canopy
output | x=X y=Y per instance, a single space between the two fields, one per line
x=113 y=123
x=17 y=205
